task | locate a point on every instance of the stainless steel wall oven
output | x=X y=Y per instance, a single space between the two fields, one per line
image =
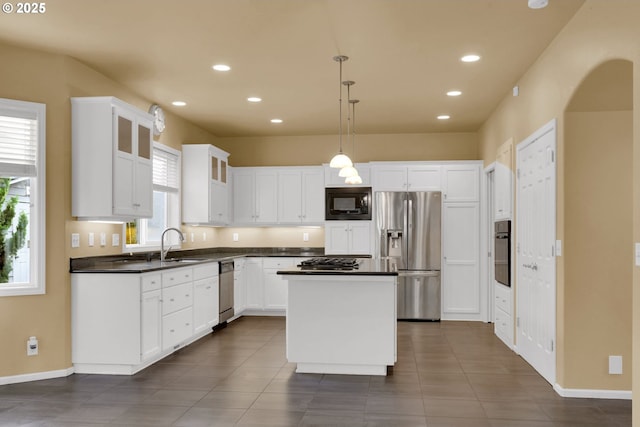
x=502 y=252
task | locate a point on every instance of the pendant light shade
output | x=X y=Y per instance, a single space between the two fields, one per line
x=347 y=171
x=340 y=160
x=353 y=180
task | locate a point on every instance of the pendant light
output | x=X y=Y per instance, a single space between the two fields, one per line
x=348 y=171
x=355 y=179
x=340 y=160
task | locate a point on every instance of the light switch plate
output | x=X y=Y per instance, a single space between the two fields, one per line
x=75 y=240
x=615 y=365
x=236 y=237
x=91 y=239
x=115 y=239
x=103 y=239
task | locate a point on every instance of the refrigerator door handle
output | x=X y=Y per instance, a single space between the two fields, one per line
x=426 y=273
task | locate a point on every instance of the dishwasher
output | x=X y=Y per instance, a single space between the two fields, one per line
x=225 y=292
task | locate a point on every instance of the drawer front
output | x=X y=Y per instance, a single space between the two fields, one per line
x=504 y=326
x=205 y=271
x=177 y=327
x=277 y=262
x=151 y=282
x=503 y=298
x=177 y=276
x=177 y=297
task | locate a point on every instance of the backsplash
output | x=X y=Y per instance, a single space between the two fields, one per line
x=196 y=237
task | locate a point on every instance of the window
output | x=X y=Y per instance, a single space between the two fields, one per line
x=22 y=197
x=144 y=234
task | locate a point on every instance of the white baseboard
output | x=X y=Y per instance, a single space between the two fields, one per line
x=36 y=376
x=592 y=394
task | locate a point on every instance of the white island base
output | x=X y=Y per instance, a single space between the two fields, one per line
x=341 y=323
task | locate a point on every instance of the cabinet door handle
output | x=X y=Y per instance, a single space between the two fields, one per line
x=171 y=300
x=187 y=295
x=172 y=330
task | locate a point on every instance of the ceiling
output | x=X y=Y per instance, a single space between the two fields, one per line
x=403 y=56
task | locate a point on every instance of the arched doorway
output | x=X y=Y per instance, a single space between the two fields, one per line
x=595 y=306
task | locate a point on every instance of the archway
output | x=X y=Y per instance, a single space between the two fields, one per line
x=596 y=308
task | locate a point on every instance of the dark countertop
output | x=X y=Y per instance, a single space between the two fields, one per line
x=366 y=267
x=150 y=261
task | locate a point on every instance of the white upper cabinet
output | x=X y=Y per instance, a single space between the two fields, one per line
x=406 y=177
x=504 y=181
x=461 y=182
x=332 y=179
x=347 y=238
x=205 y=186
x=112 y=160
x=255 y=195
x=301 y=195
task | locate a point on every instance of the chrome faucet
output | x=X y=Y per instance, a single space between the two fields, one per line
x=163 y=253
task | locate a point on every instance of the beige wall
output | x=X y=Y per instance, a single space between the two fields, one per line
x=315 y=150
x=598 y=260
x=599 y=32
x=52 y=80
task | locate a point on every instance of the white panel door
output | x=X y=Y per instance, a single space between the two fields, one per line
x=535 y=262
x=461 y=267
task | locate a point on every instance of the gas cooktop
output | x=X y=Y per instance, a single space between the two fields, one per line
x=329 y=264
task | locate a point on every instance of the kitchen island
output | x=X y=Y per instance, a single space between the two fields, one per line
x=342 y=321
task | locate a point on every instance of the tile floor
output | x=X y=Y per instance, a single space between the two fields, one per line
x=448 y=374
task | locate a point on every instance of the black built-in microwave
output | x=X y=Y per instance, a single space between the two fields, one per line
x=347 y=203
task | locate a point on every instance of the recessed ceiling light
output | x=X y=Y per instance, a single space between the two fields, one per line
x=470 y=58
x=221 y=67
x=254 y=99
x=538 y=4
x=454 y=93
x=276 y=120
x=179 y=103
x=444 y=117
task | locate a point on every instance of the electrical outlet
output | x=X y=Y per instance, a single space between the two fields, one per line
x=103 y=239
x=91 y=239
x=115 y=239
x=204 y=236
x=32 y=346
x=193 y=237
x=75 y=240
x=236 y=237
x=305 y=237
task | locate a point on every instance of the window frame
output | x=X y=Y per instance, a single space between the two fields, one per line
x=38 y=219
x=173 y=209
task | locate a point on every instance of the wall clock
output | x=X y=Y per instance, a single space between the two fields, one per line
x=158 y=119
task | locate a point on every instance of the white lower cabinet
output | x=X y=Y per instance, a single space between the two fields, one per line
x=176 y=328
x=253 y=282
x=275 y=287
x=503 y=314
x=123 y=322
x=205 y=297
x=266 y=291
x=151 y=315
x=239 y=287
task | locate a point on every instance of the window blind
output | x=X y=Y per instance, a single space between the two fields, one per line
x=18 y=143
x=165 y=170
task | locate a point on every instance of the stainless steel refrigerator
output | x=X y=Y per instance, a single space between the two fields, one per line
x=408 y=238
